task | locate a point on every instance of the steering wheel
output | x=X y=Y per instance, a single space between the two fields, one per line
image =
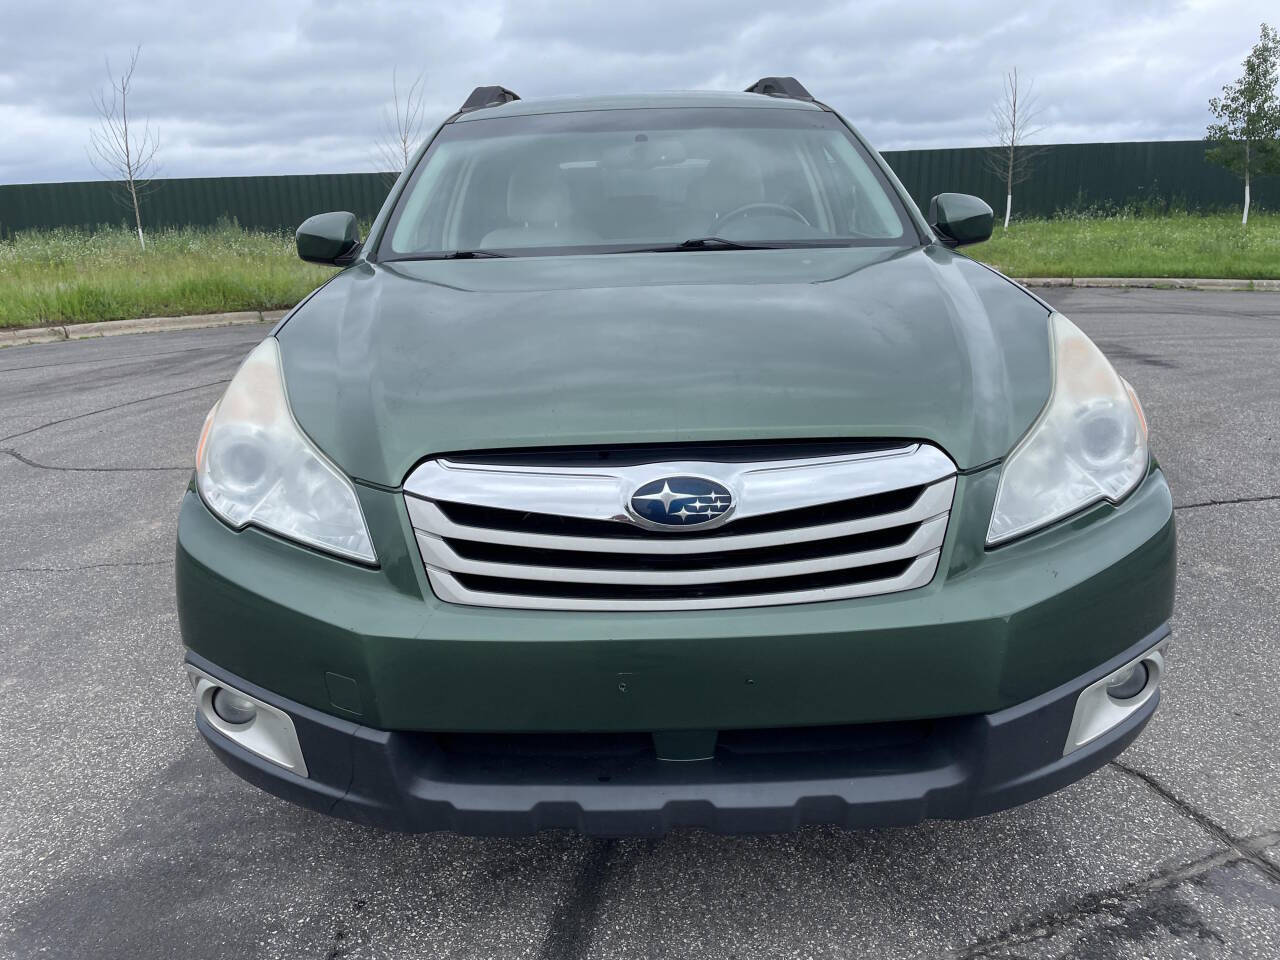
x=782 y=208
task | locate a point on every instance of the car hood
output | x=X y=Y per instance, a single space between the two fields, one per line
x=391 y=362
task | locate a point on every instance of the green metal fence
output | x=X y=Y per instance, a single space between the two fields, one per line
x=1074 y=176
x=1064 y=177
x=271 y=203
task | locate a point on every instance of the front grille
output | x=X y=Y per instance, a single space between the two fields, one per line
x=676 y=591
x=824 y=513
x=716 y=560
x=560 y=536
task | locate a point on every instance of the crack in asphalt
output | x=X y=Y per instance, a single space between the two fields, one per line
x=115 y=406
x=1205 y=822
x=1114 y=901
x=60 y=467
x=89 y=566
x=571 y=926
x=122 y=358
x=1264 y=498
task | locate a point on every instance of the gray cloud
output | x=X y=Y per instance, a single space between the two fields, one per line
x=298 y=86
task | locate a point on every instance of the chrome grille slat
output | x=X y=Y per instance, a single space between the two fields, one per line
x=599 y=493
x=920 y=572
x=483 y=534
x=426 y=516
x=436 y=553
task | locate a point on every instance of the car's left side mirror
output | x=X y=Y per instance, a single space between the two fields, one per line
x=329 y=238
x=958 y=218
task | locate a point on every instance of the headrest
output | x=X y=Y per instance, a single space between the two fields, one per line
x=728 y=183
x=538 y=195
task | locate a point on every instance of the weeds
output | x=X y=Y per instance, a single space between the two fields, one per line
x=1136 y=243
x=75 y=276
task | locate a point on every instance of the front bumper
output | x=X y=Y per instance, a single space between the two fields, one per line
x=994 y=629
x=875 y=775
x=951 y=700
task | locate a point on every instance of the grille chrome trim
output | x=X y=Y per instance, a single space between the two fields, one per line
x=600 y=493
x=426 y=516
x=514 y=561
x=447 y=588
x=438 y=554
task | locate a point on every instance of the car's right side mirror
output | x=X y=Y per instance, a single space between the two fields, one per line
x=329 y=238
x=958 y=218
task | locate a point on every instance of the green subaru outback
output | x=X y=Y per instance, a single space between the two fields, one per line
x=653 y=462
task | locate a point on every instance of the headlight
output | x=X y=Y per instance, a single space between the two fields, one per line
x=1089 y=444
x=254 y=465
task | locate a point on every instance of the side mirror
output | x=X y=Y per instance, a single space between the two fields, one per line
x=329 y=238
x=959 y=218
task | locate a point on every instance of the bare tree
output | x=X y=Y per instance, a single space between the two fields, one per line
x=117 y=150
x=1013 y=121
x=402 y=125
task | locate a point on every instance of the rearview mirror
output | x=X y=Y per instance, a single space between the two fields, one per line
x=329 y=238
x=958 y=218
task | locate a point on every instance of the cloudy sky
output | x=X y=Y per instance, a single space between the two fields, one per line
x=300 y=86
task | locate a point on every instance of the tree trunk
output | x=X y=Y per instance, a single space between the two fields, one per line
x=1244 y=220
x=137 y=214
x=1008 y=187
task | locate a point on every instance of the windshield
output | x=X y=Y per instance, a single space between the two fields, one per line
x=617 y=180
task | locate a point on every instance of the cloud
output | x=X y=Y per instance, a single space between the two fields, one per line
x=299 y=86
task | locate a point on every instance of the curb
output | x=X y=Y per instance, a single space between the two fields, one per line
x=113 y=328
x=1152 y=283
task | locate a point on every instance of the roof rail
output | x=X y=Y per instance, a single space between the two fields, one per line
x=488 y=97
x=788 y=87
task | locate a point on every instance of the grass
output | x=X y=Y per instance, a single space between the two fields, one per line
x=71 y=276
x=1177 y=245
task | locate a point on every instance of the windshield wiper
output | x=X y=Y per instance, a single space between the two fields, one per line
x=448 y=255
x=703 y=243
x=720 y=243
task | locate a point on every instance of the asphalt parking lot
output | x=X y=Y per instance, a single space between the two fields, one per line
x=123 y=837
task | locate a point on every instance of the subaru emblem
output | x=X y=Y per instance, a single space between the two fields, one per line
x=681 y=503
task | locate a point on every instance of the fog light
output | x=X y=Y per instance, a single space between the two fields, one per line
x=1111 y=700
x=1129 y=684
x=254 y=725
x=232 y=707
